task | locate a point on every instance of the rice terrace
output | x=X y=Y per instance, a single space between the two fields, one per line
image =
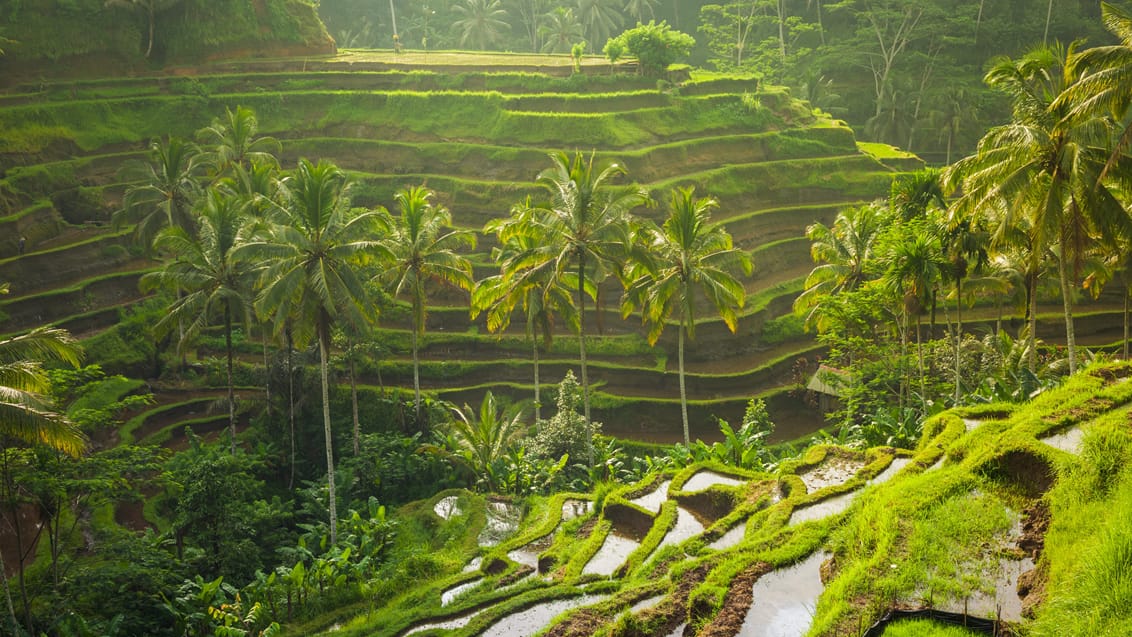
x=515 y=318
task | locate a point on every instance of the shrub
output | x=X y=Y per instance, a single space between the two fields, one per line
x=655 y=46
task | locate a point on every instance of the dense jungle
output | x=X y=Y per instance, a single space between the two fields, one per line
x=603 y=317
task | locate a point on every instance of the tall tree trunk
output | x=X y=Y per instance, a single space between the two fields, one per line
x=1032 y=354
x=291 y=402
x=683 y=390
x=354 y=403
x=958 y=332
x=582 y=340
x=266 y=377
x=1049 y=13
x=149 y=47
x=231 y=390
x=781 y=32
x=393 y=17
x=14 y=625
x=538 y=401
x=1067 y=303
x=978 y=21
x=324 y=356
x=1127 y=293
x=416 y=373
x=920 y=364
x=821 y=27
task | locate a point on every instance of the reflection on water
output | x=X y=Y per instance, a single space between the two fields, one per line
x=502 y=521
x=706 y=479
x=576 y=508
x=733 y=536
x=611 y=555
x=686 y=526
x=827 y=507
x=1069 y=441
x=447 y=508
x=451 y=594
x=534 y=619
x=651 y=501
x=892 y=469
x=834 y=471
x=646 y=604
x=783 y=601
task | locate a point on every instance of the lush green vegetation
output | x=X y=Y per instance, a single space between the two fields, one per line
x=289 y=309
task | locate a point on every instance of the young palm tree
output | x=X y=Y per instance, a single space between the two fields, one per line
x=584 y=224
x=163 y=190
x=210 y=279
x=482 y=440
x=418 y=252
x=682 y=259
x=841 y=252
x=1046 y=167
x=560 y=30
x=232 y=143
x=536 y=290
x=309 y=272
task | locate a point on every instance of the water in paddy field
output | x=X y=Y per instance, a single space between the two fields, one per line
x=825 y=508
x=646 y=604
x=1069 y=441
x=450 y=595
x=832 y=472
x=651 y=501
x=447 y=508
x=527 y=554
x=733 y=536
x=891 y=470
x=707 y=479
x=576 y=508
x=612 y=554
x=783 y=601
x=687 y=526
x=502 y=521
x=534 y=619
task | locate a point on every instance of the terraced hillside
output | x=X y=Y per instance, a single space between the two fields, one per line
x=982 y=523
x=478 y=135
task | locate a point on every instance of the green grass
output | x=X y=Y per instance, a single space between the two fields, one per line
x=883 y=151
x=926 y=628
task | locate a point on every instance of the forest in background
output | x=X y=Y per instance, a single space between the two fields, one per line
x=905 y=72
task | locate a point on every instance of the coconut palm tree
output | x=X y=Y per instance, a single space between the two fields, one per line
x=481 y=22
x=536 y=290
x=581 y=228
x=1045 y=166
x=233 y=143
x=841 y=252
x=420 y=249
x=638 y=10
x=309 y=272
x=684 y=258
x=163 y=190
x=202 y=267
x=560 y=30
x=599 y=18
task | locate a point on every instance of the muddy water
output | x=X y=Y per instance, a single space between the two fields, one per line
x=834 y=471
x=450 y=595
x=687 y=526
x=473 y=565
x=784 y=600
x=451 y=624
x=652 y=501
x=527 y=555
x=706 y=479
x=502 y=521
x=1069 y=441
x=732 y=537
x=824 y=508
x=447 y=508
x=891 y=470
x=534 y=619
x=611 y=555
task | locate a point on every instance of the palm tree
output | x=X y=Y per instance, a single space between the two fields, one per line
x=841 y=252
x=482 y=440
x=481 y=22
x=26 y=412
x=560 y=30
x=637 y=9
x=540 y=294
x=1105 y=73
x=583 y=225
x=309 y=275
x=685 y=257
x=915 y=264
x=1045 y=166
x=232 y=143
x=203 y=268
x=599 y=18
x=163 y=191
x=418 y=251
